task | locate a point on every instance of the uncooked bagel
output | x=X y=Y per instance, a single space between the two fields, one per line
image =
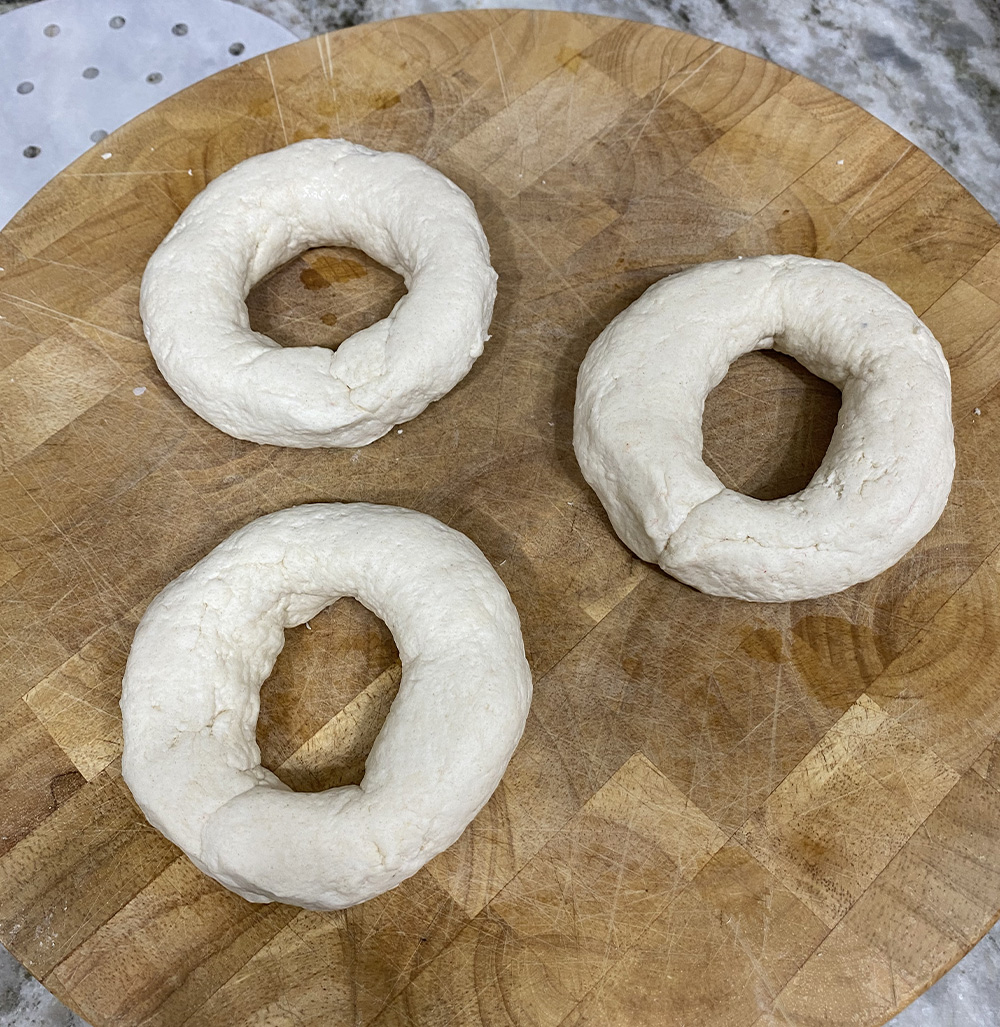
x=264 y=211
x=887 y=472
x=190 y=700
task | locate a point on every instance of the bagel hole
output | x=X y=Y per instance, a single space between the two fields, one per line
x=767 y=425
x=327 y=698
x=322 y=297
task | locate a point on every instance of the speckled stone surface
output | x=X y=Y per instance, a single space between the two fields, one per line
x=928 y=68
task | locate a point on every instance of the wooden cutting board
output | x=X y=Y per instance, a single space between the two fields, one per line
x=721 y=813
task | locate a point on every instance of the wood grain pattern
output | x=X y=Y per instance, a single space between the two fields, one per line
x=721 y=813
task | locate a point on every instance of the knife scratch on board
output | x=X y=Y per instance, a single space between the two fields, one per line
x=277 y=102
x=496 y=58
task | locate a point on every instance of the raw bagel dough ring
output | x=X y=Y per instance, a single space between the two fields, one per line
x=264 y=211
x=190 y=700
x=886 y=475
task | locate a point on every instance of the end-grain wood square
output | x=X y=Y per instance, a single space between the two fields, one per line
x=828 y=830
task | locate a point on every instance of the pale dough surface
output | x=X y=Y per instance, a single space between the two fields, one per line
x=190 y=700
x=886 y=475
x=268 y=209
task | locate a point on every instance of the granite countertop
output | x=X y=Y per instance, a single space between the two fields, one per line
x=928 y=68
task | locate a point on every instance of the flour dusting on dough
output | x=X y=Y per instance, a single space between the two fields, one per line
x=886 y=475
x=268 y=209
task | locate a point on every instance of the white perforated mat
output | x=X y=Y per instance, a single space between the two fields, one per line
x=71 y=71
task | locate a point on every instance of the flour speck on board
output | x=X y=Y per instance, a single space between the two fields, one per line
x=138 y=390
x=106 y=156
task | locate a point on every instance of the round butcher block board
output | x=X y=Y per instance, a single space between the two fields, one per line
x=721 y=813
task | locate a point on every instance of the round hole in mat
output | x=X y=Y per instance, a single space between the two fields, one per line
x=236 y=49
x=153 y=77
x=51 y=30
x=25 y=87
x=90 y=73
x=32 y=151
x=97 y=135
x=180 y=29
x=117 y=22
